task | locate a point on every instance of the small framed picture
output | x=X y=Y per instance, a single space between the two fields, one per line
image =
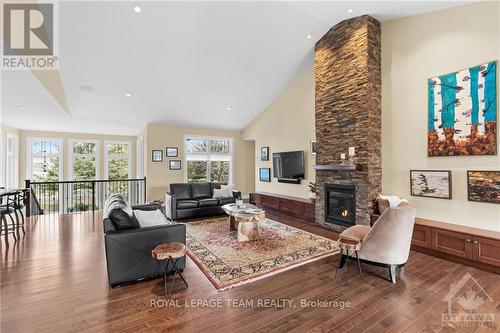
x=313 y=147
x=172 y=152
x=431 y=183
x=157 y=156
x=483 y=186
x=264 y=154
x=265 y=175
x=174 y=164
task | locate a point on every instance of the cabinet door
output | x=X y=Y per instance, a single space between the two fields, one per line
x=487 y=250
x=257 y=199
x=310 y=212
x=454 y=243
x=422 y=236
x=271 y=202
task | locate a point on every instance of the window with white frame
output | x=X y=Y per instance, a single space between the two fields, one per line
x=117 y=160
x=83 y=159
x=208 y=159
x=44 y=159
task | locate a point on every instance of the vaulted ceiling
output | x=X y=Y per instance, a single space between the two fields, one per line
x=197 y=64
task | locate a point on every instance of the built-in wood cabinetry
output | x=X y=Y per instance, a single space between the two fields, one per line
x=298 y=207
x=455 y=241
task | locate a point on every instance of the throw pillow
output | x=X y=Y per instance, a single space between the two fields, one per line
x=229 y=189
x=220 y=193
x=150 y=218
x=121 y=220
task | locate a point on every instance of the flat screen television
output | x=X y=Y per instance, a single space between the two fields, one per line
x=288 y=166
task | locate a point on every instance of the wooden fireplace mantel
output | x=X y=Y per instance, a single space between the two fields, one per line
x=338 y=167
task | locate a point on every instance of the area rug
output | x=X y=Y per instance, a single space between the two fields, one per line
x=228 y=263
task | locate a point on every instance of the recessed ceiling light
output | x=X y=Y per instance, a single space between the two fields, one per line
x=20 y=107
x=229 y=108
x=86 y=88
x=350 y=10
x=137 y=9
x=309 y=36
x=128 y=94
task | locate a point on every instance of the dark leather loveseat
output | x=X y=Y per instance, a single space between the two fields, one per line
x=185 y=201
x=128 y=252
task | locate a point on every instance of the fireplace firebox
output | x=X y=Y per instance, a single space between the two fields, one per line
x=340 y=204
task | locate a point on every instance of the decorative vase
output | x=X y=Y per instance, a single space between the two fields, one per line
x=312 y=196
x=239 y=203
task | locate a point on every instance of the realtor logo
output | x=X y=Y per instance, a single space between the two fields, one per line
x=464 y=301
x=28 y=34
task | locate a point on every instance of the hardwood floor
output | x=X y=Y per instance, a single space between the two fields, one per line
x=54 y=280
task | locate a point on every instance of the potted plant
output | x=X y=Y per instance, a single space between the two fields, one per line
x=312 y=191
x=239 y=200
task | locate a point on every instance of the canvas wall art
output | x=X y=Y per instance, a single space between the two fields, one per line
x=265 y=175
x=483 y=186
x=431 y=183
x=462 y=109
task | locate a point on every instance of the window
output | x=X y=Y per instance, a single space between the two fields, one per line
x=44 y=159
x=83 y=159
x=118 y=160
x=208 y=159
x=12 y=161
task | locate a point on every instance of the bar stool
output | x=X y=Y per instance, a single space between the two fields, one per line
x=6 y=209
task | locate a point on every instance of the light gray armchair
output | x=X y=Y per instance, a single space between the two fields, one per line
x=388 y=242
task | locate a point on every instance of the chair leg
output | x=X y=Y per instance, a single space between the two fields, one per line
x=6 y=230
x=347 y=258
x=23 y=221
x=17 y=225
x=392 y=273
x=13 y=226
x=359 y=264
x=339 y=263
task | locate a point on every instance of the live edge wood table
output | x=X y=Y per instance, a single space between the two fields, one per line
x=245 y=220
x=170 y=253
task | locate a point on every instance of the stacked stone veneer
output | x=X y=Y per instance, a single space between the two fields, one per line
x=348 y=110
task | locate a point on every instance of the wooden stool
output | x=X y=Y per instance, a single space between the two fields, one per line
x=166 y=253
x=349 y=245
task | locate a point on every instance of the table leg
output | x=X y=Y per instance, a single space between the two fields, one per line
x=233 y=224
x=248 y=231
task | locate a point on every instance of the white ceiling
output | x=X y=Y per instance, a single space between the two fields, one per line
x=184 y=62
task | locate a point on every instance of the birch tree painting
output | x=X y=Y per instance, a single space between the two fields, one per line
x=463 y=112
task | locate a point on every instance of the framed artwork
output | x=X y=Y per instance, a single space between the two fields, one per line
x=264 y=154
x=431 y=183
x=157 y=156
x=174 y=164
x=462 y=112
x=483 y=186
x=172 y=152
x=265 y=175
x=313 y=147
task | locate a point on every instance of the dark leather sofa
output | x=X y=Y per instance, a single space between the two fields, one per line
x=128 y=252
x=185 y=201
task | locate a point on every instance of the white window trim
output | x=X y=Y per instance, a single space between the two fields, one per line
x=15 y=155
x=29 y=155
x=209 y=137
x=71 y=155
x=107 y=157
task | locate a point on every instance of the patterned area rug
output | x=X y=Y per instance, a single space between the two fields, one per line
x=228 y=263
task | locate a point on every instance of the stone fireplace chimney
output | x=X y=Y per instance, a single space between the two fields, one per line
x=348 y=113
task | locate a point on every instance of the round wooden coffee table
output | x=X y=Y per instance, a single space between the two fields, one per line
x=245 y=220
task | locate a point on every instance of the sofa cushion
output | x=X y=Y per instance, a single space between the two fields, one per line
x=200 y=191
x=185 y=204
x=181 y=191
x=208 y=202
x=121 y=220
x=225 y=201
x=355 y=233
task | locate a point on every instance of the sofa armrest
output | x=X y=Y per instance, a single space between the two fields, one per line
x=171 y=207
x=150 y=206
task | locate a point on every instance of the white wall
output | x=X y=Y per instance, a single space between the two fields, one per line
x=413 y=50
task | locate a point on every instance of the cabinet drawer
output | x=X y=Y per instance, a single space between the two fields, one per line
x=453 y=243
x=310 y=212
x=291 y=207
x=422 y=236
x=273 y=203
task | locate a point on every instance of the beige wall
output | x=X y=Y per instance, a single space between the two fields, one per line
x=23 y=135
x=413 y=50
x=286 y=125
x=161 y=136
